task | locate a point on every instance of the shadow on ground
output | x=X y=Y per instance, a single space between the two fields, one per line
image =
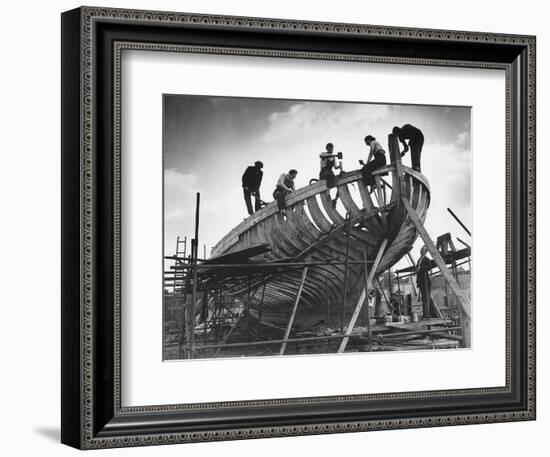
x=51 y=433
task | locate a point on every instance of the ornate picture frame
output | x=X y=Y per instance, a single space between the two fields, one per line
x=93 y=415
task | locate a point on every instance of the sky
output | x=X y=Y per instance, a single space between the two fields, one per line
x=209 y=142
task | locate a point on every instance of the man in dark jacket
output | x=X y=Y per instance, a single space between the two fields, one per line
x=416 y=142
x=423 y=282
x=252 y=179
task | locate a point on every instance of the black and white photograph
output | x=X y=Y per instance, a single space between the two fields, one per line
x=296 y=227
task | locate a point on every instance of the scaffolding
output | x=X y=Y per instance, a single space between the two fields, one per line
x=207 y=316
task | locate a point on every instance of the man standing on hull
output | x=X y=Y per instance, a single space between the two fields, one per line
x=328 y=163
x=416 y=142
x=252 y=179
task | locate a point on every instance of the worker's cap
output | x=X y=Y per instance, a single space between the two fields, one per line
x=395 y=130
x=369 y=138
x=258 y=164
x=329 y=145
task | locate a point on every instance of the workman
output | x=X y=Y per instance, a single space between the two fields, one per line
x=415 y=138
x=423 y=282
x=328 y=163
x=285 y=185
x=376 y=159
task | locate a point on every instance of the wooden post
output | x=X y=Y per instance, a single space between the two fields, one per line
x=194 y=255
x=260 y=312
x=184 y=336
x=233 y=326
x=328 y=302
x=294 y=308
x=393 y=145
x=459 y=221
x=413 y=263
x=383 y=293
x=368 y=310
x=191 y=308
x=364 y=293
x=464 y=300
x=381 y=201
x=346 y=266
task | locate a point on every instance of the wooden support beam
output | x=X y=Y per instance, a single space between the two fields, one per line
x=191 y=310
x=228 y=334
x=417 y=332
x=363 y=296
x=381 y=201
x=346 y=267
x=270 y=342
x=413 y=264
x=393 y=146
x=294 y=308
x=435 y=307
x=369 y=332
x=464 y=300
x=264 y=265
x=459 y=221
x=260 y=312
x=463 y=242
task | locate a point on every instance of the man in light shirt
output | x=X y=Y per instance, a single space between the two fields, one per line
x=285 y=185
x=328 y=163
x=376 y=159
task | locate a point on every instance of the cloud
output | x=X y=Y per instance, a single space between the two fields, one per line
x=217 y=208
x=463 y=140
x=179 y=204
x=321 y=120
x=448 y=169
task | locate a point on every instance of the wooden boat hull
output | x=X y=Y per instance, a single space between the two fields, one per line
x=312 y=230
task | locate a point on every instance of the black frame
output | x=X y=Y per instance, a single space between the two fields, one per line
x=92 y=40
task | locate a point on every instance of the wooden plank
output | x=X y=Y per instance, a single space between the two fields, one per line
x=393 y=145
x=417 y=176
x=282 y=236
x=362 y=297
x=306 y=228
x=334 y=215
x=381 y=202
x=464 y=300
x=317 y=215
x=347 y=200
x=294 y=232
x=364 y=237
x=365 y=197
x=435 y=307
x=369 y=331
x=240 y=255
x=294 y=308
x=275 y=253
